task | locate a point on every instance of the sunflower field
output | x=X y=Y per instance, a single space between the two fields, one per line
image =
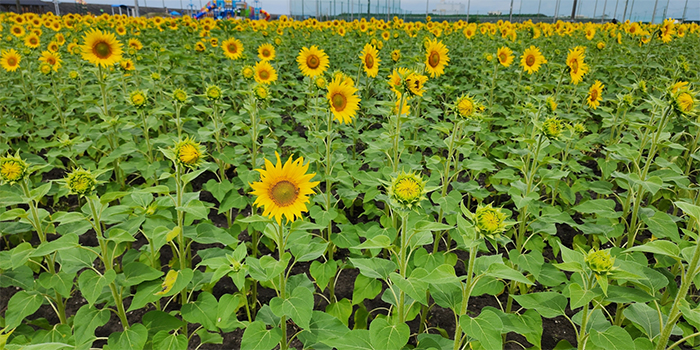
x=168 y=183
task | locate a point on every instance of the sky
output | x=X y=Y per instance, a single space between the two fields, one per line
x=641 y=10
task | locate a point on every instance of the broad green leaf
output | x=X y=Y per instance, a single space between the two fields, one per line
x=376 y=242
x=86 y=320
x=365 y=288
x=413 y=286
x=323 y=272
x=145 y=293
x=662 y=226
x=42 y=346
x=579 y=296
x=547 y=304
x=166 y=341
x=21 y=305
x=689 y=209
x=202 y=311
x=91 y=284
x=226 y=311
x=341 y=310
x=136 y=272
x=299 y=306
x=645 y=317
x=486 y=328
x=323 y=327
x=613 y=338
x=356 y=339
x=64 y=242
x=133 y=338
x=658 y=247
x=156 y=321
x=504 y=272
x=20 y=254
x=257 y=337
x=374 y=267
x=385 y=335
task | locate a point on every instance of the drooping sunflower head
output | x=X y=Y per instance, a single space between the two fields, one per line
x=127 y=65
x=406 y=191
x=312 y=61
x=262 y=92
x=45 y=68
x=52 y=46
x=551 y=104
x=180 y=95
x=679 y=86
x=415 y=84
x=73 y=74
x=12 y=169
x=81 y=182
x=532 y=59
x=138 y=98
x=189 y=153
x=575 y=61
x=435 y=58
x=200 y=47
x=505 y=56
x=552 y=128
x=233 y=48
x=266 y=52
x=101 y=48
x=685 y=102
x=135 y=44
x=370 y=60
x=396 y=55
x=600 y=45
x=595 y=94
x=600 y=261
x=489 y=221
x=321 y=82
x=9 y=60
x=342 y=100
x=213 y=92
x=283 y=190
x=265 y=73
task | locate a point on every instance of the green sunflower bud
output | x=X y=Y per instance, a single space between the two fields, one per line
x=600 y=261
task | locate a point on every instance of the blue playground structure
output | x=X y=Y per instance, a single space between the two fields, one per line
x=220 y=9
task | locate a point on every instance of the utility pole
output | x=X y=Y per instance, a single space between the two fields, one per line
x=136 y=7
x=58 y=10
x=426 y=8
x=605 y=6
x=624 y=14
x=164 y=8
x=510 y=17
x=632 y=9
x=539 y=7
x=469 y=3
x=556 y=11
x=666 y=9
x=653 y=14
x=684 y=11
x=615 y=14
x=595 y=9
x=573 y=10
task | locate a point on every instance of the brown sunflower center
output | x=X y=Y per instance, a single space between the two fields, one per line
x=434 y=59
x=232 y=48
x=284 y=193
x=51 y=60
x=17 y=30
x=369 y=61
x=574 y=66
x=11 y=61
x=502 y=57
x=339 y=102
x=530 y=60
x=313 y=61
x=33 y=41
x=102 y=49
x=264 y=75
x=594 y=95
x=266 y=53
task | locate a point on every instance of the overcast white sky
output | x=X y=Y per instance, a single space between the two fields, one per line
x=641 y=9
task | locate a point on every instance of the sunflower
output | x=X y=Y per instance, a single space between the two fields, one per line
x=406 y=191
x=135 y=44
x=32 y=41
x=17 y=30
x=465 y=106
x=81 y=182
x=101 y=48
x=52 y=58
x=199 y=47
x=233 y=48
x=265 y=73
x=490 y=221
x=577 y=68
x=52 y=46
x=415 y=84
x=505 y=56
x=600 y=45
x=189 y=153
x=595 y=94
x=679 y=86
x=532 y=59
x=435 y=58
x=12 y=169
x=312 y=61
x=248 y=72
x=138 y=98
x=266 y=52
x=127 y=64
x=685 y=102
x=370 y=60
x=396 y=55
x=284 y=189
x=342 y=100
x=9 y=60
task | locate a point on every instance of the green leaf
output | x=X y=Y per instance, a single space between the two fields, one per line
x=133 y=338
x=91 y=284
x=86 y=320
x=528 y=324
x=21 y=305
x=323 y=272
x=365 y=288
x=64 y=242
x=63 y=283
x=299 y=306
x=413 y=286
x=662 y=226
x=202 y=311
x=384 y=335
x=195 y=208
x=374 y=267
x=156 y=321
x=206 y=337
x=356 y=339
x=579 y=296
x=645 y=317
x=486 y=328
x=145 y=293
x=226 y=311
x=136 y=272
x=504 y=272
x=209 y=234
x=42 y=346
x=166 y=341
x=689 y=209
x=257 y=337
x=322 y=328
x=342 y=309
x=658 y=247
x=20 y=254
x=376 y=242
x=612 y=338
x=547 y=304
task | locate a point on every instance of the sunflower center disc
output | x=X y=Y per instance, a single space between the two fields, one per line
x=266 y=53
x=232 y=48
x=530 y=60
x=11 y=61
x=594 y=95
x=264 y=75
x=284 y=193
x=502 y=57
x=339 y=102
x=102 y=49
x=574 y=66
x=434 y=59
x=313 y=62
x=369 y=61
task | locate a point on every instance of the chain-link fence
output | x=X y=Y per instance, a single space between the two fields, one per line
x=487 y=11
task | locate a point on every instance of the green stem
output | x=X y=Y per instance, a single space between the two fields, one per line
x=466 y=292
x=403 y=265
x=582 y=334
x=329 y=194
x=146 y=136
x=284 y=345
x=493 y=85
x=397 y=133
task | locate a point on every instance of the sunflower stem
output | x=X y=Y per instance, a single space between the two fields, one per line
x=329 y=194
x=397 y=133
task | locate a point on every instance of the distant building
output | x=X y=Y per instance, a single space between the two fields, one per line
x=449 y=8
x=494 y=13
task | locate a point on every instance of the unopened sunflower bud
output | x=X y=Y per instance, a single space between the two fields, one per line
x=12 y=169
x=551 y=128
x=81 y=182
x=600 y=261
x=490 y=221
x=189 y=153
x=406 y=191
